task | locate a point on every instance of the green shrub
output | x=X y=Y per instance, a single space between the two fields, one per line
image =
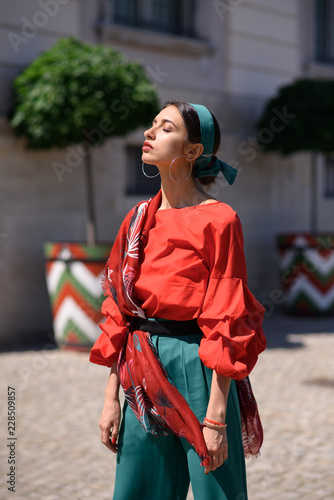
x=76 y=87
x=312 y=128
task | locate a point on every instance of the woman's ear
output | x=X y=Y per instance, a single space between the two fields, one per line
x=193 y=151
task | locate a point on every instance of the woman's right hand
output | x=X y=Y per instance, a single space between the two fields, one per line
x=109 y=423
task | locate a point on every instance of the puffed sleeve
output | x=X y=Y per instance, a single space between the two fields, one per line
x=107 y=347
x=230 y=318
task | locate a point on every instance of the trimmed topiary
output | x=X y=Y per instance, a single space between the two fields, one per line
x=310 y=106
x=78 y=93
x=76 y=87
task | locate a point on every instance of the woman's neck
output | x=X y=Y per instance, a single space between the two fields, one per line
x=181 y=195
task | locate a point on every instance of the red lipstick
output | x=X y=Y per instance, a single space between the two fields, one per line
x=147 y=146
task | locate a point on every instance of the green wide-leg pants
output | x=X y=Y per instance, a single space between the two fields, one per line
x=160 y=467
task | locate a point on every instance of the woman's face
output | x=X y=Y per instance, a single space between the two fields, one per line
x=166 y=139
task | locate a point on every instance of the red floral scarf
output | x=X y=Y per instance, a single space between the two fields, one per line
x=156 y=402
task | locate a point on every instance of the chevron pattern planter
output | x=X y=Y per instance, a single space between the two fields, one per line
x=73 y=275
x=306 y=265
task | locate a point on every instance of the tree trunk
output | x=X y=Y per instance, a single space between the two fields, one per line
x=90 y=224
x=314 y=195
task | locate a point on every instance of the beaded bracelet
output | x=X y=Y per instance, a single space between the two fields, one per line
x=212 y=424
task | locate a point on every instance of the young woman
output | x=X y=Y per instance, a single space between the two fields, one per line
x=182 y=326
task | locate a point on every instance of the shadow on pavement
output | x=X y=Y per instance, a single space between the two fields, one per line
x=47 y=343
x=279 y=325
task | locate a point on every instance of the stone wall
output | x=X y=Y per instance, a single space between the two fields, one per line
x=243 y=54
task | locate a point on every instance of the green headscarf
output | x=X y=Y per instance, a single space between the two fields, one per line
x=207 y=140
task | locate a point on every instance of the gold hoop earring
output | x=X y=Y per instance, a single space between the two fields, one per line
x=170 y=170
x=148 y=176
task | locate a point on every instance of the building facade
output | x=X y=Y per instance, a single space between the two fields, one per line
x=232 y=56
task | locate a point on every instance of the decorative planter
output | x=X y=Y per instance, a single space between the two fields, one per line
x=306 y=264
x=73 y=275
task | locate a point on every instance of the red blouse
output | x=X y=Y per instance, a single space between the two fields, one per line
x=193 y=266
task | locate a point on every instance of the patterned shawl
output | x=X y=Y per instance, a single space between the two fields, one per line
x=156 y=402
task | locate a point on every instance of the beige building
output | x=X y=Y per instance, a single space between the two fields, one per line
x=231 y=55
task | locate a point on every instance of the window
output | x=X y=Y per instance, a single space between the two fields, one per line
x=324 y=31
x=126 y=12
x=329 y=178
x=167 y=16
x=136 y=182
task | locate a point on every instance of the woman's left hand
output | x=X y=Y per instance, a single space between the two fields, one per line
x=216 y=442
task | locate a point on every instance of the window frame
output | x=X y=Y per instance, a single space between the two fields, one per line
x=328 y=177
x=109 y=32
x=324 y=34
x=185 y=9
x=310 y=67
x=115 y=13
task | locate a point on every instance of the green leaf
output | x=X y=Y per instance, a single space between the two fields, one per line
x=70 y=88
x=307 y=107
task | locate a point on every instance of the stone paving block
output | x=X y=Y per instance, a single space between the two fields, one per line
x=60 y=396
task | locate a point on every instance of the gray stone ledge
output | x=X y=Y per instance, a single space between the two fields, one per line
x=150 y=39
x=319 y=70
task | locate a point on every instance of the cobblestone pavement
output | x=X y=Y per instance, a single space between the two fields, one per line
x=59 y=398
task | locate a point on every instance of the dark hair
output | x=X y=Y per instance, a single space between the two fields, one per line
x=193 y=128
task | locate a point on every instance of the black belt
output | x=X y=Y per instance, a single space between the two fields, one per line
x=167 y=326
